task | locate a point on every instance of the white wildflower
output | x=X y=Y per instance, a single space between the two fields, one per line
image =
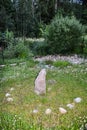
x=48 y=111
x=62 y=110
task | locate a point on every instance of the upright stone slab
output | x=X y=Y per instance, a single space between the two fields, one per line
x=40 y=83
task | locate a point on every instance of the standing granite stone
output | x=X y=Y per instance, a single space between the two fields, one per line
x=40 y=83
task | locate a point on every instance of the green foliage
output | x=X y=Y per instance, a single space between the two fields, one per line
x=24 y=16
x=12 y=61
x=16 y=49
x=21 y=50
x=70 y=82
x=10 y=121
x=64 y=34
x=9 y=51
x=45 y=7
x=9 y=44
x=42 y=27
x=84 y=16
x=85 y=50
x=9 y=36
x=14 y=122
x=49 y=62
x=85 y=45
x=6 y=15
x=38 y=48
x=32 y=63
x=6 y=38
x=61 y=63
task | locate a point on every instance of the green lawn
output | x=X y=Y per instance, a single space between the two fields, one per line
x=64 y=84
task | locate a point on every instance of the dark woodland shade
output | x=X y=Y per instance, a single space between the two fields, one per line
x=25 y=18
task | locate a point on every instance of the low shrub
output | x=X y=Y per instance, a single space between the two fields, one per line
x=63 y=35
x=32 y=63
x=38 y=48
x=61 y=63
x=18 y=50
x=85 y=45
x=49 y=62
x=22 y=51
x=9 y=51
x=85 y=50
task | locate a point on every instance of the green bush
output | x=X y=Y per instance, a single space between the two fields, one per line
x=61 y=63
x=21 y=50
x=49 y=62
x=38 y=48
x=32 y=63
x=9 y=36
x=85 y=50
x=85 y=46
x=18 y=50
x=63 y=35
x=9 y=52
x=15 y=48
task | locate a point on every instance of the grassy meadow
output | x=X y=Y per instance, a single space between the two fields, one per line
x=27 y=111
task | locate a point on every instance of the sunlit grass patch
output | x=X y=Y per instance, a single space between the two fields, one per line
x=61 y=63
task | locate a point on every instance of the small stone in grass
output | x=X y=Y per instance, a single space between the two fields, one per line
x=71 y=106
x=11 y=89
x=2 y=65
x=62 y=110
x=77 y=100
x=48 y=111
x=13 y=64
x=35 y=111
x=7 y=94
x=86 y=126
x=10 y=99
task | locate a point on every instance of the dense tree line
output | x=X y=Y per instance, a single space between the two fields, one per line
x=37 y=18
x=26 y=17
